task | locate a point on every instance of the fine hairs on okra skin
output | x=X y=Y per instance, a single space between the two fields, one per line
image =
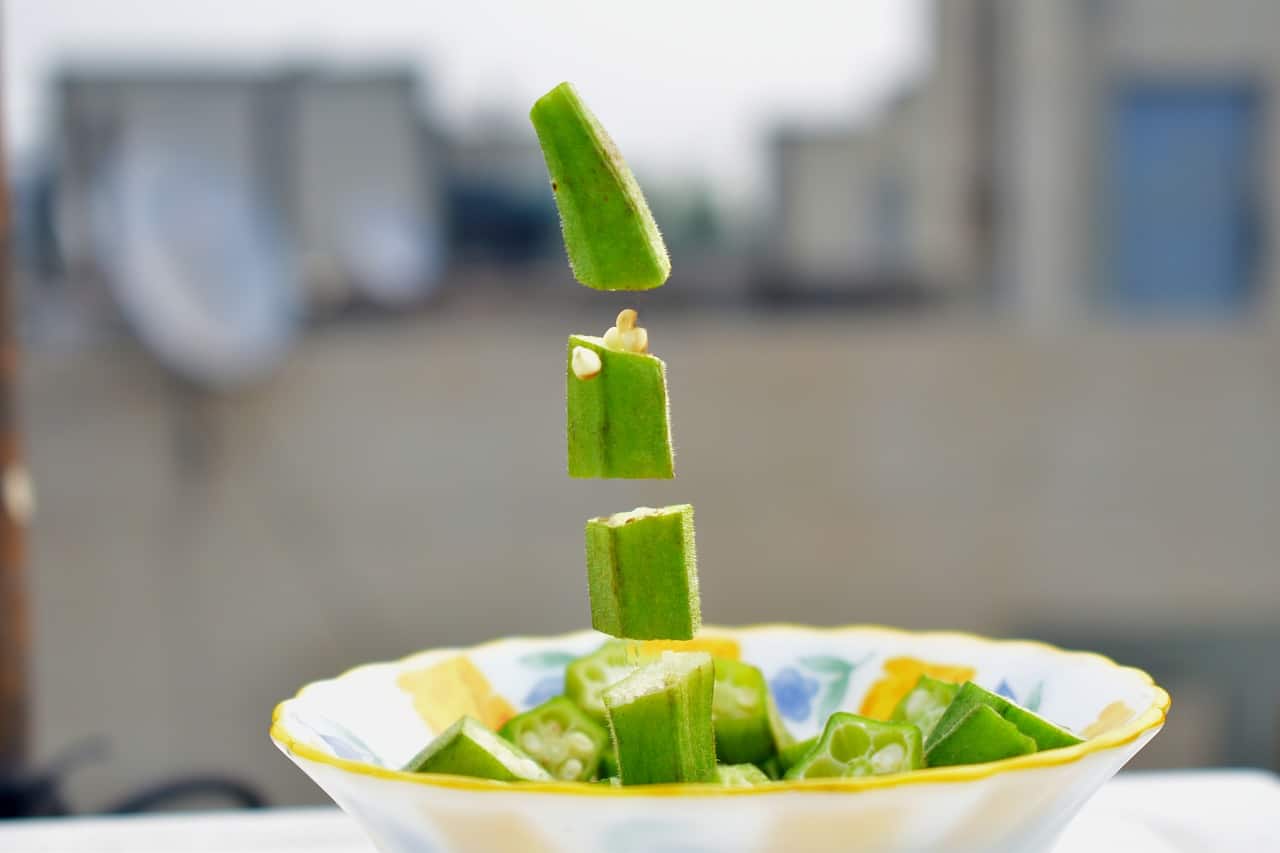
x=610 y=236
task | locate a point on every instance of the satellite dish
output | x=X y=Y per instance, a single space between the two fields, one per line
x=197 y=267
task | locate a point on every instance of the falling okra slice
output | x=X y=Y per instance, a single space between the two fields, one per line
x=925 y=704
x=610 y=236
x=642 y=574
x=561 y=737
x=660 y=719
x=467 y=748
x=618 y=419
x=1045 y=734
x=851 y=745
x=740 y=710
x=740 y=775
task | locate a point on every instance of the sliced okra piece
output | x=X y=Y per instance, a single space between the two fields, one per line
x=617 y=415
x=561 y=737
x=660 y=718
x=791 y=754
x=859 y=746
x=771 y=767
x=467 y=748
x=925 y=704
x=587 y=677
x=740 y=775
x=1045 y=734
x=642 y=574
x=610 y=236
x=978 y=736
x=741 y=713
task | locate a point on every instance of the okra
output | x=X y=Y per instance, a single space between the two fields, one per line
x=660 y=719
x=467 y=748
x=741 y=714
x=740 y=775
x=858 y=746
x=977 y=736
x=791 y=754
x=587 y=677
x=1045 y=734
x=610 y=236
x=617 y=416
x=925 y=704
x=642 y=574
x=561 y=737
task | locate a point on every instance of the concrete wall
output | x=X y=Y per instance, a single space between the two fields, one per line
x=196 y=559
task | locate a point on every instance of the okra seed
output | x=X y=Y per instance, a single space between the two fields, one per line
x=586 y=363
x=579 y=744
x=626 y=319
x=613 y=338
x=888 y=758
x=531 y=742
x=570 y=769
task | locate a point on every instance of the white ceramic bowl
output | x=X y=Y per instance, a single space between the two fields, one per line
x=350 y=733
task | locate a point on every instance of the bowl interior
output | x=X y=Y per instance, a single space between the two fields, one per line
x=382 y=714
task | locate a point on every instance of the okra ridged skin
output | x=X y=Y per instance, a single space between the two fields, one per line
x=642 y=574
x=610 y=236
x=1045 y=734
x=660 y=719
x=978 y=736
x=467 y=748
x=618 y=422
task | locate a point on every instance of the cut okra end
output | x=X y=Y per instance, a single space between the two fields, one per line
x=617 y=415
x=642 y=574
x=467 y=748
x=741 y=712
x=925 y=704
x=560 y=736
x=740 y=775
x=852 y=746
x=977 y=736
x=660 y=719
x=610 y=236
x=586 y=678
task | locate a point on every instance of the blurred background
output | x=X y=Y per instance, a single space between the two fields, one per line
x=973 y=324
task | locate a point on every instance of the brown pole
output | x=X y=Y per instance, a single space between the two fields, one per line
x=15 y=506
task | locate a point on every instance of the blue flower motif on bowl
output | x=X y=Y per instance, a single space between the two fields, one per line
x=793 y=692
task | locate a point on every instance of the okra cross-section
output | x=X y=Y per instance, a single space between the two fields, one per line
x=586 y=678
x=925 y=704
x=660 y=718
x=560 y=737
x=618 y=420
x=740 y=775
x=740 y=709
x=610 y=236
x=467 y=748
x=858 y=746
x=642 y=574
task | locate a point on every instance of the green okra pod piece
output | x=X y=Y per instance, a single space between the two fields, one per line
x=925 y=704
x=740 y=775
x=977 y=736
x=586 y=678
x=851 y=745
x=467 y=748
x=561 y=737
x=617 y=415
x=741 y=713
x=610 y=236
x=791 y=754
x=660 y=718
x=1045 y=734
x=642 y=574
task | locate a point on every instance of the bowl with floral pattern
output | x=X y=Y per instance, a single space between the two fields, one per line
x=352 y=734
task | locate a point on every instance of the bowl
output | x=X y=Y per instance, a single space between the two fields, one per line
x=351 y=733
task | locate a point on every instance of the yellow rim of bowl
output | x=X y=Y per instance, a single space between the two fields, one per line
x=1149 y=720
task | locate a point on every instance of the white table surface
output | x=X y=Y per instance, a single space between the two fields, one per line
x=1220 y=811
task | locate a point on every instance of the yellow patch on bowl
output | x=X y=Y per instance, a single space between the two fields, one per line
x=900 y=675
x=1113 y=716
x=718 y=647
x=453 y=688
